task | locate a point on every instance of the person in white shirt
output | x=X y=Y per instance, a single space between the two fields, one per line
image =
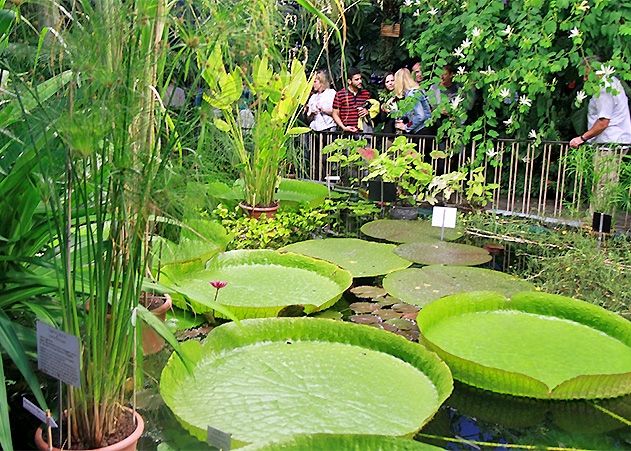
x=609 y=128
x=320 y=105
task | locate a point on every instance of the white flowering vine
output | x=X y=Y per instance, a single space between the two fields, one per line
x=575 y=33
x=504 y=93
x=524 y=100
x=580 y=96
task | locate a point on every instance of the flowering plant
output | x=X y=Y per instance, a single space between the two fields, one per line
x=524 y=58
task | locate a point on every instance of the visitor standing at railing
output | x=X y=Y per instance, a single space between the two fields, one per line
x=388 y=101
x=350 y=103
x=320 y=104
x=406 y=87
x=609 y=124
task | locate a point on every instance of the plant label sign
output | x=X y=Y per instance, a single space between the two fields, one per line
x=444 y=217
x=58 y=354
x=38 y=413
x=219 y=439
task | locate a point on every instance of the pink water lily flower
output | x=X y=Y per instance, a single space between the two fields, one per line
x=218 y=284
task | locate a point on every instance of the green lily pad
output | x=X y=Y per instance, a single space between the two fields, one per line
x=261 y=283
x=178 y=319
x=272 y=378
x=341 y=443
x=443 y=253
x=362 y=258
x=420 y=286
x=293 y=193
x=401 y=231
x=533 y=344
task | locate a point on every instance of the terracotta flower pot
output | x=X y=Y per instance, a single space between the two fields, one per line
x=152 y=342
x=128 y=444
x=256 y=212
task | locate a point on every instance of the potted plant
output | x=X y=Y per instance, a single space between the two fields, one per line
x=260 y=141
x=103 y=151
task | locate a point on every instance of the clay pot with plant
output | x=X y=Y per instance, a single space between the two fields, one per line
x=261 y=149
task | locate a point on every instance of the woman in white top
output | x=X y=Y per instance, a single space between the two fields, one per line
x=320 y=105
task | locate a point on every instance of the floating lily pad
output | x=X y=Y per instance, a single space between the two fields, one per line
x=294 y=193
x=534 y=344
x=401 y=231
x=365 y=319
x=364 y=307
x=368 y=292
x=272 y=378
x=443 y=253
x=362 y=258
x=261 y=283
x=342 y=443
x=419 y=286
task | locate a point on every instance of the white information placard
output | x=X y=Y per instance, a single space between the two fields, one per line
x=444 y=217
x=58 y=354
x=38 y=413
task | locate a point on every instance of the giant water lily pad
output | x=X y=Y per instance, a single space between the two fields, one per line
x=443 y=253
x=420 y=286
x=339 y=442
x=268 y=379
x=362 y=258
x=533 y=344
x=260 y=283
x=402 y=231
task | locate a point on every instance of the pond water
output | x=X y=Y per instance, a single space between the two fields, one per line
x=470 y=419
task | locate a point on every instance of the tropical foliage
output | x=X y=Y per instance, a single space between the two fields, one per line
x=523 y=58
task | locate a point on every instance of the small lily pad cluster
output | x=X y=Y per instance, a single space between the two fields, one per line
x=380 y=310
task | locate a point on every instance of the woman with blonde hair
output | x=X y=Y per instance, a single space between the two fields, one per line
x=320 y=105
x=404 y=87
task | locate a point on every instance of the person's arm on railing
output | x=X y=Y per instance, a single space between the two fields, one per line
x=599 y=126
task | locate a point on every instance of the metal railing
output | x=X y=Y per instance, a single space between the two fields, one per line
x=540 y=180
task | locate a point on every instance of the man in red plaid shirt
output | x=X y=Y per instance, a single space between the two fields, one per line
x=349 y=103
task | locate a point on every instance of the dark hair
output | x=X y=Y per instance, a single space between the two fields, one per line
x=352 y=71
x=386 y=76
x=450 y=68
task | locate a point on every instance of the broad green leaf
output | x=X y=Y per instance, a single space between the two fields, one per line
x=362 y=258
x=276 y=377
x=443 y=253
x=293 y=193
x=420 y=286
x=400 y=231
x=338 y=442
x=298 y=131
x=260 y=283
x=534 y=344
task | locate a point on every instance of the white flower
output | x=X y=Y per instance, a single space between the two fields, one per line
x=456 y=101
x=488 y=71
x=466 y=44
x=407 y=3
x=476 y=32
x=417 y=13
x=504 y=93
x=574 y=33
x=508 y=122
x=458 y=53
x=508 y=31
x=461 y=70
x=532 y=134
x=432 y=12
x=491 y=152
x=523 y=100
x=583 y=6
x=605 y=71
x=580 y=96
